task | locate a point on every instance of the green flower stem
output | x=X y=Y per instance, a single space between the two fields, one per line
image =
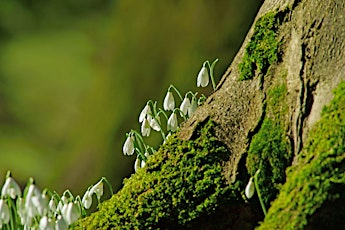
x=211 y=67
x=109 y=185
x=69 y=194
x=177 y=92
x=258 y=191
x=140 y=141
x=13 y=215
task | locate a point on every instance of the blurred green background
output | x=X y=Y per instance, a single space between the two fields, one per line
x=75 y=74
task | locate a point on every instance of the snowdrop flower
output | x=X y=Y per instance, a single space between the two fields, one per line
x=137 y=164
x=60 y=223
x=46 y=224
x=193 y=106
x=203 y=77
x=97 y=189
x=185 y=106
x=70 y=212
x=154 y=123
x=61 y=203
x=146 y=111
x=32 y=201
x=145 y=128
x=250 y=189
x=172 y=122
x=87 y=199
x=169 y=101
x=4 y=213
x=11 y=188
x=128 y=147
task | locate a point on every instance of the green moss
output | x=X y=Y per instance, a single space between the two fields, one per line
x=313 y=194
x=269 y=150
x=262 y=50
x=182 y=182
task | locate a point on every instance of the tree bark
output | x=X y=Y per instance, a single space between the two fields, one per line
x=290 y=63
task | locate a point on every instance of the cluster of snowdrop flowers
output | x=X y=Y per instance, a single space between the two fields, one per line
x=43 y=210
x=166 y=120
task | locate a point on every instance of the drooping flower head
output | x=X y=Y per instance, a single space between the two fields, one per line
x=128 y=147
x=203 y=77
x=70 y=212
x=155 y=123
x=10 y=188
x=193 y=106
x=4 y=213
x=169 y=101
x=145 y=128
x=146 y=111
x=250 y=188
x=172 y=122
x=185 y=106
x=87 y=199
x=137 y=164
x=97 y=189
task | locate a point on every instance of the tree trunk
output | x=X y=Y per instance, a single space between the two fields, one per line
x=267 y=114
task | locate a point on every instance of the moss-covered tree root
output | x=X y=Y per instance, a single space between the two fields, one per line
x=316 y=184
x=182 y=183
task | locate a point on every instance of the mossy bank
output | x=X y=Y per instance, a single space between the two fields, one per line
x=181 y=183
x=315 y=185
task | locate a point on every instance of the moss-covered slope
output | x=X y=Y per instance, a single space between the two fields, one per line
x=317 y=182
x=181 y=183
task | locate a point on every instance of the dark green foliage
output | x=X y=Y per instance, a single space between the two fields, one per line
x=316 y=184
x=269 y=149
x=183 y=181
x=262 y=50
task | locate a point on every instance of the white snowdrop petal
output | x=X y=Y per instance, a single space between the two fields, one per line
x=203 y=77
x=137 y=164
x=172 y=122
x=169 y=101
x=128 y=146
x=185 y=105
x=250 y=189
x=145 y=128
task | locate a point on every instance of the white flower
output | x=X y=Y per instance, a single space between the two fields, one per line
x=11 y=188
x=97 y=189
x=193 y=106
x=46 y=224
x=70 y=212
x=203 y=77
x=87 y=199
x=137 y=164
x=145 y=128
x=128 y=147
x=154 y=123
x=33 y=202
x=169 y=101
x=52 y=206
x=4 y=213
x=60 y=223
x=250 y=189
x=62 y=201
x=146 y=111
x=184 y=107
x=172 y=122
